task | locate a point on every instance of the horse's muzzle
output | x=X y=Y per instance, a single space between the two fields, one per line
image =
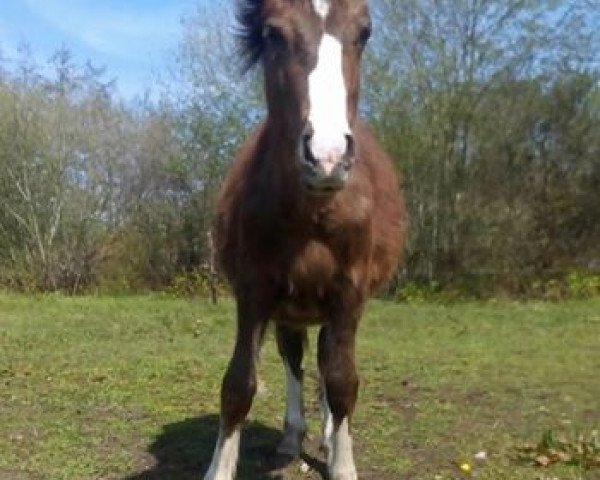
x=325 y=170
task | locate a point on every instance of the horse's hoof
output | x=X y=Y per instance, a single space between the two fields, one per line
x=350 y=475
x=279 y=461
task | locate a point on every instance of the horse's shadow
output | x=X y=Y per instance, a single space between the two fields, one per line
x=184 y=449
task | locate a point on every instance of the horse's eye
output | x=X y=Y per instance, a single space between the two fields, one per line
x=364 y=35
x=274 y=36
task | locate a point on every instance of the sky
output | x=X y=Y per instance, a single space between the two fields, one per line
x=133 y=39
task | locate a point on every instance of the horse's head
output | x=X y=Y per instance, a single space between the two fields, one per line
x=310 y=51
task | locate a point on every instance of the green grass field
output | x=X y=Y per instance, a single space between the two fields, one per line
x=128 y=388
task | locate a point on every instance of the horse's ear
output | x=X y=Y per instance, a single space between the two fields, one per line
x=250 y=21
x=249 y=4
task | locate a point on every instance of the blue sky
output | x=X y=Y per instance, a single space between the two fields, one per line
x=132 y=38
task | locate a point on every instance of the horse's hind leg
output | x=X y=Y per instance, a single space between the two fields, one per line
x=291 y=343
x=237 y=392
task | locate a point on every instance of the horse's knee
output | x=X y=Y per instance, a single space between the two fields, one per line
x=239 y=385
x=237 y=392
x=341 y=388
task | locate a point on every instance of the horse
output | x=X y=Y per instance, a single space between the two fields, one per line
x=310 y=220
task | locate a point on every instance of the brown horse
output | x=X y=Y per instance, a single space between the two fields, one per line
x=310 y=220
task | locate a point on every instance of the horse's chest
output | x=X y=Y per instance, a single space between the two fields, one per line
x=312 y=277
x=312 y=268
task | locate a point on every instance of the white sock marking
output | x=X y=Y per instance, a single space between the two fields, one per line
x=327 y=419
x=224 y=461
x=342 y=461
x=328 y=104
x=295 y=423
x=321 y=7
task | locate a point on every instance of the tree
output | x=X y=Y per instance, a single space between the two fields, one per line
x=443 y=82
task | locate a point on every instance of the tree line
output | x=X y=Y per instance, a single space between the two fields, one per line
x=490 y=109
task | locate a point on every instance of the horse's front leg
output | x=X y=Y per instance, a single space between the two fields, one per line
x=238 y=388
x=339 y=390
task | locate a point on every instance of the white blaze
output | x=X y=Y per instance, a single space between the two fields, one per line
x=327 y=96
x=224 y=461
x=321 y=7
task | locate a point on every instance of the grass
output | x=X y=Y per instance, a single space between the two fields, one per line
x=127 y=388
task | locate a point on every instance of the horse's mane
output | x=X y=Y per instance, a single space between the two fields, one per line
x=249 y=17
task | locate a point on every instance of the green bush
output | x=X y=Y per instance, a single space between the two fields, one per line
x=415 y=292
x=583 y=284
x=198 y=283
x=574 y=285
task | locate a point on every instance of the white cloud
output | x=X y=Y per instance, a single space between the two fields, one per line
x=120 y=29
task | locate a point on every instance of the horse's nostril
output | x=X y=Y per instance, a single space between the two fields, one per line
x=308 y=131
x=350 y=146
x=308 y=155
